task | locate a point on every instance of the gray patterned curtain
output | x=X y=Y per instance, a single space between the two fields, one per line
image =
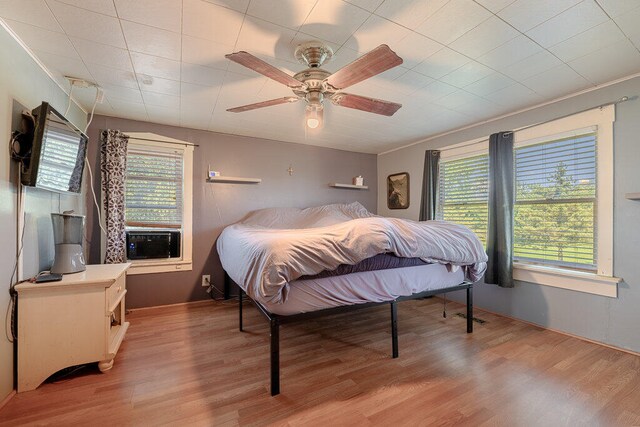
x=430 y=185
x=501 y=199
x=113 y=164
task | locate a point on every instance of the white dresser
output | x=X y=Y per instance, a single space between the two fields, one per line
x=80 y=319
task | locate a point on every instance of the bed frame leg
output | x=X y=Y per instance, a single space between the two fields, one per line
x=470 y=309
x=226 y=286
x=394 y=329
x=240 y=295
x=275 y=357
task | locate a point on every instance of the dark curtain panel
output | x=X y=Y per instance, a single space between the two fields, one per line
x=113 y=165
x=430 y=185
x=501 y=199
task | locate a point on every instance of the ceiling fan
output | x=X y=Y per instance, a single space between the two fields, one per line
x=314 y=84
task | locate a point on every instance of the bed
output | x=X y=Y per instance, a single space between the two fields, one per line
x=296 y=264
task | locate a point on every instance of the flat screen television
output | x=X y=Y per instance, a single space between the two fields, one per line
x=57 y=155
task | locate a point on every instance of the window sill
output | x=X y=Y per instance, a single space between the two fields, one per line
x=590 y=283
x=158 y=266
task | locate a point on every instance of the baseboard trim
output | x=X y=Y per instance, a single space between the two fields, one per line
x=179 y=304
x=517 y=319
x=7 y=399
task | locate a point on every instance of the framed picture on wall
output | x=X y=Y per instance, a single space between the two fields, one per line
x=398 y=190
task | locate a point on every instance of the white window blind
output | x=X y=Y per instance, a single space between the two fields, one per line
x=463 y=193
x=154 y=188
x=555 y=210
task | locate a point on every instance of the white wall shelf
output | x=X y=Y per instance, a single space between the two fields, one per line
x=234 y=180
x=350 y=186
x=632 y=196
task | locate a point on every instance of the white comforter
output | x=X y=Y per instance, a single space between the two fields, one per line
x=271 y=247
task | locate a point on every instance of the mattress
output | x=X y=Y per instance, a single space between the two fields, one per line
x=363 y=287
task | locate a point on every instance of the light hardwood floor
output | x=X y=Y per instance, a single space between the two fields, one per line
x=189 y=365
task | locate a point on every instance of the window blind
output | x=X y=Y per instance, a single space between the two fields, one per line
x=463 y=193
x=555 y=209
x=154 y=188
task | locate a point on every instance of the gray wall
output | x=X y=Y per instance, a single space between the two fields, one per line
x=23 y=84
x=218 y=205
x=612 y=321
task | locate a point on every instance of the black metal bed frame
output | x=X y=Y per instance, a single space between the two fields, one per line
x=275 y=320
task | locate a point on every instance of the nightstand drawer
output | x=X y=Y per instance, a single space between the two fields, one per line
x=115 y=291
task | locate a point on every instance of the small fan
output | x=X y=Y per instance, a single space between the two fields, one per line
x=314 y=84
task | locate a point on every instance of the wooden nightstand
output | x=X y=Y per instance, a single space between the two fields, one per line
x=80 y=319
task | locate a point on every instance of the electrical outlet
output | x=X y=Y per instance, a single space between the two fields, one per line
x=206 y=280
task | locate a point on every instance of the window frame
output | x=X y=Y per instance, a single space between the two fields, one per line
x=602 y=282
x=185 y=262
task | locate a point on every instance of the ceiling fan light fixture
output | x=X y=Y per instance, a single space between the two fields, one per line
x=313 y=116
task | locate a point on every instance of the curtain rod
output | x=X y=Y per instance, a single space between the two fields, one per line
x=189 y=144
x=616 y=102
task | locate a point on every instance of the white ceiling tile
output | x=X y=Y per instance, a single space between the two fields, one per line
x=208 y=21
x=410 y=82
x=489 y=84
x=598 y=66
x=88 y=25
x=262 y=38
x=374 y=32
x=589 y=41
x=129 y=110
x=198 y=96
x=106 y=76
x=341 y=57
x=102 y=54
x=163 y=115
x=467 y=74
x=291 y=16
x=33 y=12
x=441 y=63
x=453 y=20
x=205 y=76
x=65 y=66
x=409 y=13
x=515 y=96
x=152 y=41
x=205 y=52
x=334 y=20
x=616 y=8
x=509 y=53
x=526 y=14
x=161 y=100
x=629 y=22
x=237 y=5
x=435 y=91
x=100 y=6
x=556 y=82
x=165 y=14
x=43 y=40
x=457 y=99
x=495 y=6
x=155 y=66
x=485 y=37
x=573 y=21
x=159 y=85
x=415 y=48
x=122 y=93
x=534 y=64
x=369 y=5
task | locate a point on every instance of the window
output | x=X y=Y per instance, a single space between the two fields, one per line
x=464 y=192
x=555 y=203
x=158 y=195
x=563 y=225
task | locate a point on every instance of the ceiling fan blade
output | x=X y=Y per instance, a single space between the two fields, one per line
x=371 y=105
x=368 y=65
x=256 y=64
x=263 y=104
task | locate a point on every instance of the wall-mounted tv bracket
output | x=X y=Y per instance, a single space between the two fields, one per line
x=22 y=139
